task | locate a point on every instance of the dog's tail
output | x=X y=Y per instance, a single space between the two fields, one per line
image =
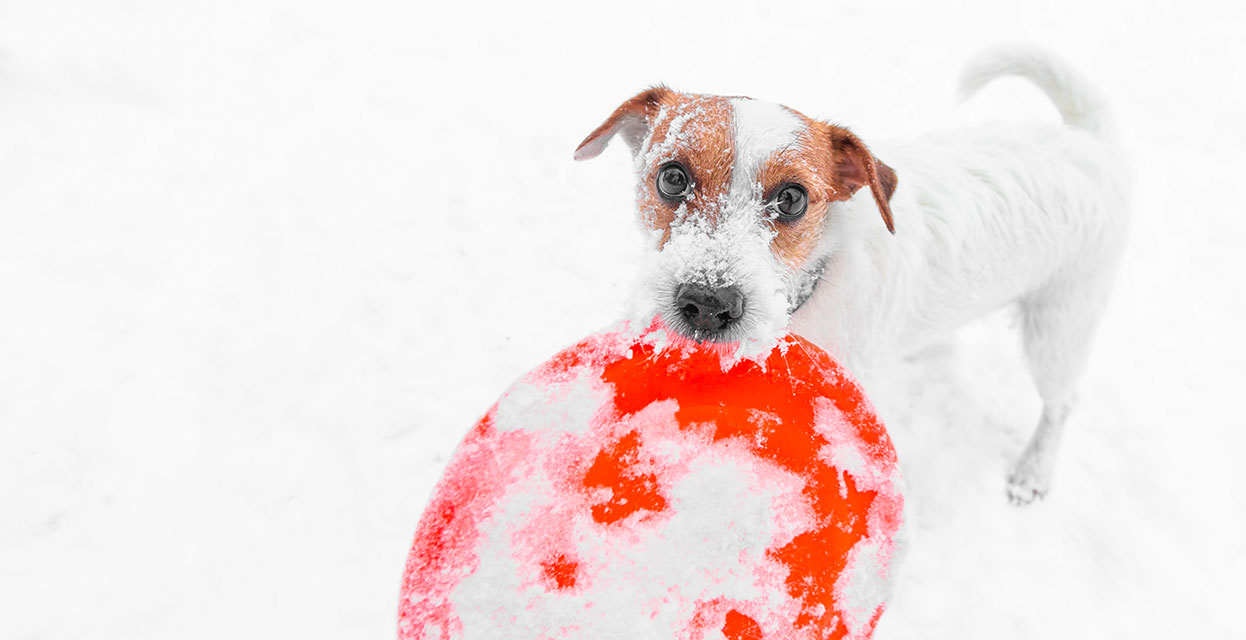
x=1078 y=102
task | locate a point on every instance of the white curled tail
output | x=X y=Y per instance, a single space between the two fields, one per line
x=1078 y=102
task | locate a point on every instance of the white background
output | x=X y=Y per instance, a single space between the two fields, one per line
x=262 y=263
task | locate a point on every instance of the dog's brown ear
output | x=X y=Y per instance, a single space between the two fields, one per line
x=631 y=121
x=856 y=167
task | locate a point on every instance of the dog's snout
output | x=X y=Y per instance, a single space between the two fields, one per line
x=708 y=308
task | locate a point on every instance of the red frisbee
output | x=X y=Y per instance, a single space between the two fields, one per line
x=639 y=485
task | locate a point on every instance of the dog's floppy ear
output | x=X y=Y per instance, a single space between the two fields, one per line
x=856 y=167
x=631 y=121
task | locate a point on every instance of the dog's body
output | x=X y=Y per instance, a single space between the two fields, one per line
x=767 y=230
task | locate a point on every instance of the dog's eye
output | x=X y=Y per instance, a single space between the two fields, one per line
x=791 y=201
x=673 y=181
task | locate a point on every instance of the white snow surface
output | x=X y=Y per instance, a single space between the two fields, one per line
x=263 y=263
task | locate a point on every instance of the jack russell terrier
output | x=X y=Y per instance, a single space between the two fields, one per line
x=763 y=218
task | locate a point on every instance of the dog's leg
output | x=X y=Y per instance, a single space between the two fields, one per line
x=1058 y=323
x=1030 y=477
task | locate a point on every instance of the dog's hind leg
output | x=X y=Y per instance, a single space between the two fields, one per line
x=1058 y=323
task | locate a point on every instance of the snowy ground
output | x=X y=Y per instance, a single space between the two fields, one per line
x=263 y=262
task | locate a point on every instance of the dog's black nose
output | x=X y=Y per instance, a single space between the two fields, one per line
x=708 y=308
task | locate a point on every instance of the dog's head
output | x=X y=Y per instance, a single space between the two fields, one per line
x=738 y=193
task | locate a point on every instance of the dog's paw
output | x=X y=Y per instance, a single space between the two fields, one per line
x=1029 y=480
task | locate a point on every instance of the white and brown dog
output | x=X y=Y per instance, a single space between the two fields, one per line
x=763 y=218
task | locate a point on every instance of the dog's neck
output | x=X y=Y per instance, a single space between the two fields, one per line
x=808 y=284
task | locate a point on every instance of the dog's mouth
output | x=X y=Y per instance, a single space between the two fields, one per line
x=705 y=336
x=677 y=320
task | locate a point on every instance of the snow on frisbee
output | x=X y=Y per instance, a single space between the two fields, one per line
x=638 y=485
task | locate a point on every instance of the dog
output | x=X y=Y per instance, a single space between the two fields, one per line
x=762 y=219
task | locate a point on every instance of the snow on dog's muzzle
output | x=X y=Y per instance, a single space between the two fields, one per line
x=720 y=283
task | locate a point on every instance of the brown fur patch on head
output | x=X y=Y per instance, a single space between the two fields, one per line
x=807 y=164
x=831 y=163
x=695 y=131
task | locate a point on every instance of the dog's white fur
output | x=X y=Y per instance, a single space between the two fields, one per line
x=1033 y=214
x=1028 y=214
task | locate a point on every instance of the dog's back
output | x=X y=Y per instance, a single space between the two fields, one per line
x=985 y=217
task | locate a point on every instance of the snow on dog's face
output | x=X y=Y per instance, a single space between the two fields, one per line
x=736 y=192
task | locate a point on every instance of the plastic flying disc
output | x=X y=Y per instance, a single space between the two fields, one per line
x=639 y=486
